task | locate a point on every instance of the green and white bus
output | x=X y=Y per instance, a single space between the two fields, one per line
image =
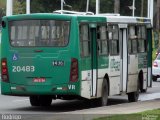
x=72 y=56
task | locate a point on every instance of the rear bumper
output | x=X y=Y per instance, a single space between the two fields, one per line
x=23 y=90
x=155 y=71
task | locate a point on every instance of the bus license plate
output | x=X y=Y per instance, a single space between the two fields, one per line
x=39 y=80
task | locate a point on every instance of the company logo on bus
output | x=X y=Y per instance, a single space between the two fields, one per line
x=39 y=80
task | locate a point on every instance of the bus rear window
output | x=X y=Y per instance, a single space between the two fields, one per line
x=35 y=33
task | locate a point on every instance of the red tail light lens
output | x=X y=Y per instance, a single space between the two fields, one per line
x=74 y=70
x=4 y=70
x=155 y=64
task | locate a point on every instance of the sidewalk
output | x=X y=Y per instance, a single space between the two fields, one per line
x=125 y=108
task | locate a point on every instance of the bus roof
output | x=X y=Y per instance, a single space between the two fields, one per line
x=82 y=18
x=126 y=19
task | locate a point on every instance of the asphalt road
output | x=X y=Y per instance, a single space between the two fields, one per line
x=61 y=110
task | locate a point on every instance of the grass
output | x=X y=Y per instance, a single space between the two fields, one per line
x=122 y=117
x=156 y=111
x=146 y=115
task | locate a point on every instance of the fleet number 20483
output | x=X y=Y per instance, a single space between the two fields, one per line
x=23 y=68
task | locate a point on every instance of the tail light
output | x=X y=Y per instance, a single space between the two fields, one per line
x=155 y=64
x=74 y=70
x=4 y=70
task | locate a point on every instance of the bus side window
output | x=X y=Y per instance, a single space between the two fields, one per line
x=129 y=46
x=132 y=42
x=102 y=40
x=141 y=38
x=113 y=39
x=134 y=46
x=85 y=41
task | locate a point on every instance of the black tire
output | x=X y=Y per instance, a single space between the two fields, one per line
x=154 y=78
x=144 y=90
x=104 y=99
x=34 y=100
x=45 y=100
x=133 y=96
x=141 y=83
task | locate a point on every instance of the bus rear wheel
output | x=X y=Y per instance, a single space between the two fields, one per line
x=34 y=100
x=104 y=99
x=154 y=78
x=45 y=100
x=141 y=84
x=133 y=96
x=40 y=100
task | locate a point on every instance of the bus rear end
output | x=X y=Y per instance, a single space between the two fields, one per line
x=37 y=57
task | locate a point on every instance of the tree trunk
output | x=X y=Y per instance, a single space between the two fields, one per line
x=142 y=5
x=116 y=6
x=158 y=15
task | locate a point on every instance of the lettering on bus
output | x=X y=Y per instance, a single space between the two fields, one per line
x=142 y=60
x=58 y=63
x=23 y=68
x=71 y=87
x=115 y=65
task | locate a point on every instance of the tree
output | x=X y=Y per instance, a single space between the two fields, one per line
x=52 y=5
x=124 y=5
x=116 y=6
x=142 y=5
x=107 y=6
x=19 y=7
x=2 y=9
x=158 y=15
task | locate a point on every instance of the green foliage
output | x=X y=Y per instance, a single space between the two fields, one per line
x=107 y=6
x=50 y=5
x=156 y=111
x=155 y=43
x=2 y=3
x=146 y=115
x=19 y=7
x=122 y=117
x=2 y=9
x=124 y=7
x=43 y=6
x=154 y=54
